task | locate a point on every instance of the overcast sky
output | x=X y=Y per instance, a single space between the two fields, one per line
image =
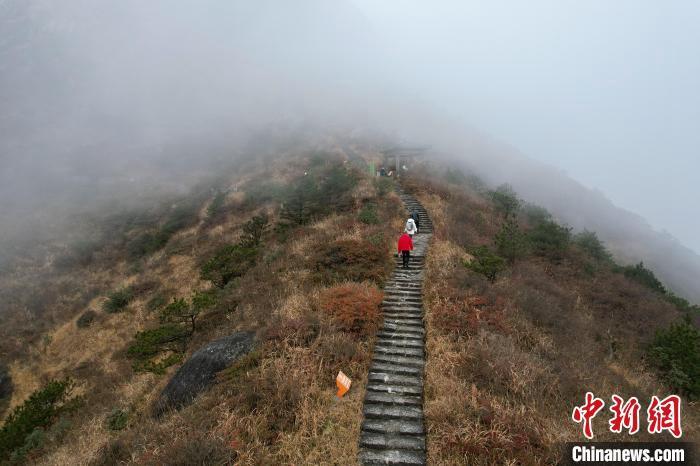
x=608 y=91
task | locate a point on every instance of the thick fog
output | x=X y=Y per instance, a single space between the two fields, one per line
x=102 y=98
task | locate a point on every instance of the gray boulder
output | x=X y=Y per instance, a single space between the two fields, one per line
x=199 y=372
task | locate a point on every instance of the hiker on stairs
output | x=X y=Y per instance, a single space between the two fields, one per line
x=411 y=227
x=416 y=218
x=405 y=248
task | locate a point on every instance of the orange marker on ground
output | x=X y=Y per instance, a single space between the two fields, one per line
x=343 y=382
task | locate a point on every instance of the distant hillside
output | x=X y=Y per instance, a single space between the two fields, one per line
x=630 y=238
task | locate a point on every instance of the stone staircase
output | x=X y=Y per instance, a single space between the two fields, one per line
x=393 y=430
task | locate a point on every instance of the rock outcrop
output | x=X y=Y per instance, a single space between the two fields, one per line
x=199 y=372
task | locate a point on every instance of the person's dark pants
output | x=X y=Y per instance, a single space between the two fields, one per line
x=405 y=257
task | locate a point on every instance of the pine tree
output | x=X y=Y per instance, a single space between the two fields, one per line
x=301 y=202
x=510 y=241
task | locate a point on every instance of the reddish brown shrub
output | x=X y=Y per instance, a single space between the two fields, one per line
x=353 y=306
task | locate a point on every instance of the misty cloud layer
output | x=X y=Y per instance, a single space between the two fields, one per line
x=103 y=98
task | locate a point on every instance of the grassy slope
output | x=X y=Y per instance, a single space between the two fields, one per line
x=276 y=407
x=508 y=361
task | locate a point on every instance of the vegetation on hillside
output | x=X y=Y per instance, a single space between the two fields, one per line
x=294 y=249
x=23 y=430
x=522 y=313
x=524 y=317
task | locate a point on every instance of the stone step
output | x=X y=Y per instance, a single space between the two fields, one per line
x=392 y=315
x=395 y=379
x=403 y=312
x=380 y=411
x=408 y=300
x=391 y=441
x=405 y=291
x=391 y=457
x=400 y=299
x=396 y=369
x=403 y=307
x=396 y=334
x=416 y=322
x=405 y=287
x=393 y=427
x=394 y=299
x=395 y=457
x=406 y=360
x=394 y=351
x=397 y=389
x=394 y=327
x=403 y=303
x=393 y=399
x=401 y=290
x=403 y=342
x=416 y=317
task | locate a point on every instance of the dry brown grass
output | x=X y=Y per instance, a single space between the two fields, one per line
x=280 y=410
x=508 y=362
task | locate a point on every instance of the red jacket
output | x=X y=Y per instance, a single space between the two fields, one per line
x=405 y=243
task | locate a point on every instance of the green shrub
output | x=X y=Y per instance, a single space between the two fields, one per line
x=549 y=239
x=228 y=263
x=253 y=231
x=644 y=276
x=147 y=243
x=258 y=192
x=368 y=215
x=536 y=214
x=34 y=441
x=314 y=195
x=681 y=303
x=182 y=215
x=510 y=241
x=486 y=263
x=150 y=343
x=118 y=300
x=384 y=186
x=182 y=312
x=589 y=242
x=217 y=204
x=117 y=420
x=156 y=302
x=157 y=367
x=676 y=353
x=505 y=200
x=86 y=319
x=37 y=412
x=336 y=189
x=301 y=203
